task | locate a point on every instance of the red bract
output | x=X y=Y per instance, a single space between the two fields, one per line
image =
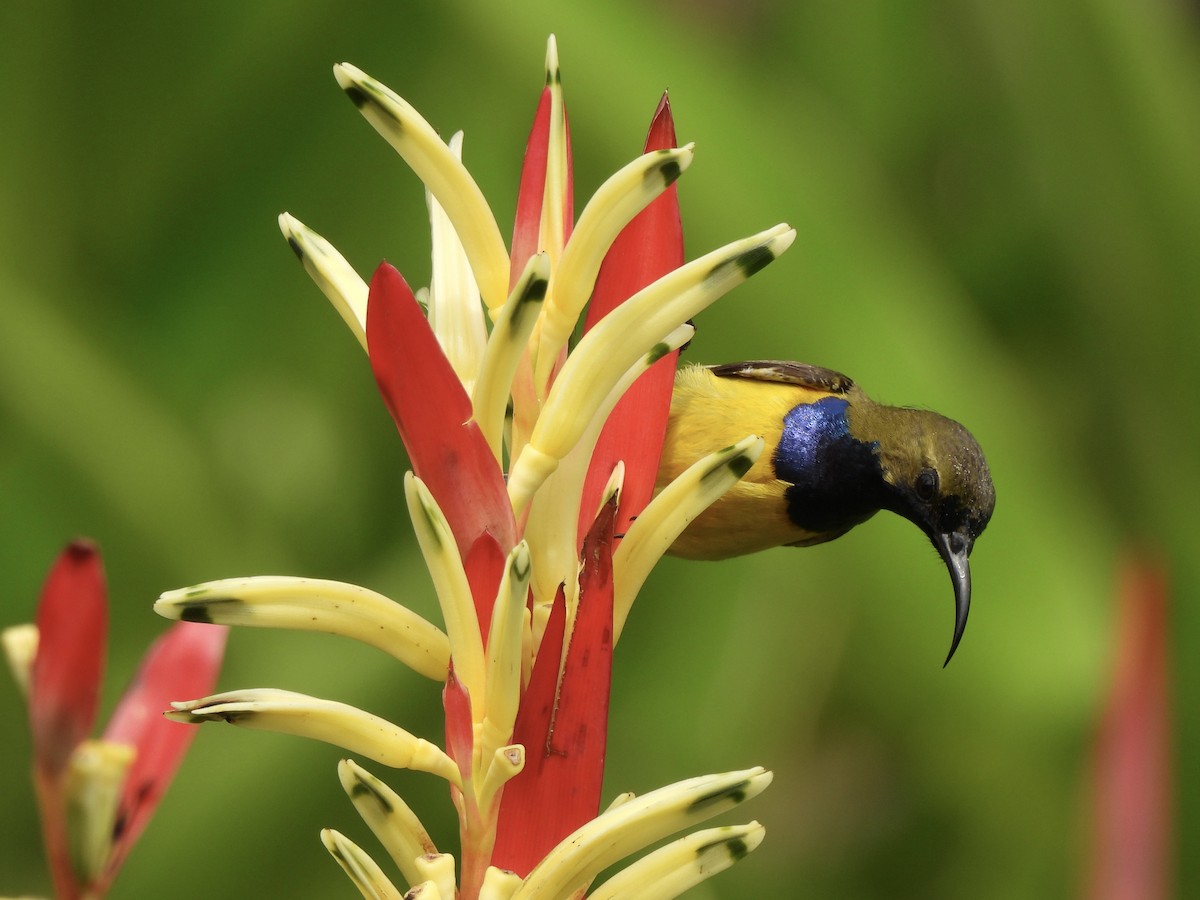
x=484 y=565
x=1131 y=815
x=563 y=722
x=64 y=690
x=72 y=623
x=524 y=815
x=64 y=686
x=433 y=415
x=650 y=246
x=460 y=740
x=563 y=719
x=531 y=194
x=184 y=662
x=528 y=237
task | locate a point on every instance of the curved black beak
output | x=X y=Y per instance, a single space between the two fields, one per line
x=955 y=551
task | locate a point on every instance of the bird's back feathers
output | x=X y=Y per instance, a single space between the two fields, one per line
x=802 y=375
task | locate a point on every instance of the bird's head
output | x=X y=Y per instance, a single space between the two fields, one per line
x=937 y=478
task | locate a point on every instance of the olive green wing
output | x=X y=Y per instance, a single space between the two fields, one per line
x=783 y=372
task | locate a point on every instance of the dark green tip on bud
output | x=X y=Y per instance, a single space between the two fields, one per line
x=434 y=523
x=747 y=263
x=536 y=292
x=740 y=465
x=195 y=612
x=735 y=793
x=755 y=260
x=737 y=848
x=362 y=789
x=187 y=718
x=658 y=352
x=357 y=96
x=670 y=172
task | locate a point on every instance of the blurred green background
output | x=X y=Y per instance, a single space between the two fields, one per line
x=998 y=209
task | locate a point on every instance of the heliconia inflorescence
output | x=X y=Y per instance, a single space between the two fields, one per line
x=532 y=498
x=96 y=795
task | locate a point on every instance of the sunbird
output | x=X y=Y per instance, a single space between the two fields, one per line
x=833 y=459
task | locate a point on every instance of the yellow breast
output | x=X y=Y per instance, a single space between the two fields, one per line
x=709 y=413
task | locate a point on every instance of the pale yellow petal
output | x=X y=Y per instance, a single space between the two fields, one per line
x=615 y=834
x=455 y=310
x=682 y=864
x=668 y=514
x=20 y=643
x=390 y=819
x=503 y=690
x=359 y=867
x=619 y=199
x=506 y=763
x=554 y=509
x=551 y=227
x=507 y=343
x=445 y=176
x=336 y=278
x=450 y=583
x=439 y=871
x=92 y=789
x=334 y=723
x=499 y=884
x=313 y=604
x=635 y=327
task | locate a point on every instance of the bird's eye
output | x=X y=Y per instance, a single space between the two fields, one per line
x=926 y=484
